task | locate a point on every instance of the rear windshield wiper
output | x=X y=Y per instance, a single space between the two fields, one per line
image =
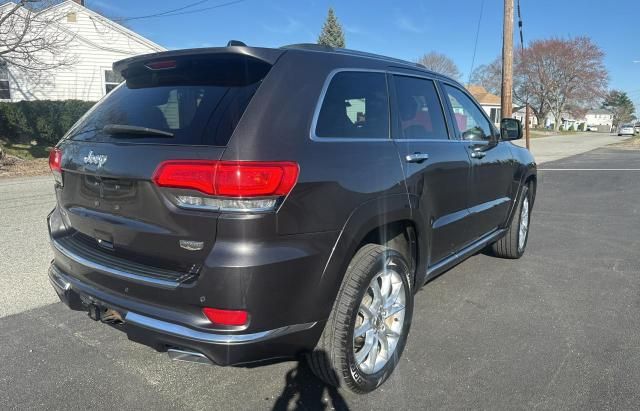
x=126 y=129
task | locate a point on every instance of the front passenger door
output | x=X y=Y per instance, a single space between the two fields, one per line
x=492 y=167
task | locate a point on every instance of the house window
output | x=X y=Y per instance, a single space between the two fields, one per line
x=5 y=92
x=111 y=80
x=495 y=115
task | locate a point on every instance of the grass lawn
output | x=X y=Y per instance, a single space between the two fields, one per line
x=22 y=160
x=25 y=151
x=633 y=143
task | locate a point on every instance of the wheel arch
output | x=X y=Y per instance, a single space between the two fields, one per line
x=386 y=221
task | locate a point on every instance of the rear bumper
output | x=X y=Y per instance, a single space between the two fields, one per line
x=162 y=335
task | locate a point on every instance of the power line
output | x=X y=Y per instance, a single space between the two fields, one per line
x=475 y=47
x=164 y=12
x=182 y=10
x=520 y=27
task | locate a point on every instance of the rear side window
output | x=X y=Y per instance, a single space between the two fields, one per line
x=419 y=110
x=355 y=105
x=197 y=101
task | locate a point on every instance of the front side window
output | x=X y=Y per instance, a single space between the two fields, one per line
x=355 y=105
x=5 y=91
x=111 y=80
x=469 y=120
x=419 y=110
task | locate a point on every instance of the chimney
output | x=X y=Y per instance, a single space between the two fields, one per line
x=80 y=2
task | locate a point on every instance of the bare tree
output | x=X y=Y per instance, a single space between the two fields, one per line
x=440 y=63
x=557 y=76
x=31 y=39
x=488 y=76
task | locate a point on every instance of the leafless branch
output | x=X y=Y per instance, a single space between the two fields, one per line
x=440 y=64
x=31 y=38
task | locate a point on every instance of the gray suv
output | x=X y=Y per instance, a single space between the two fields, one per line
x=238 y=204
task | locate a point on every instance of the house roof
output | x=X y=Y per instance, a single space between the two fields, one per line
x=109 y=22
x=483 y=96
x=72 y=5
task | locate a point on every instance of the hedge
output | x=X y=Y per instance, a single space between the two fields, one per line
x=45 y=121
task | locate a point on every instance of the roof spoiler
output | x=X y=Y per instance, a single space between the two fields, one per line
x=266 y=55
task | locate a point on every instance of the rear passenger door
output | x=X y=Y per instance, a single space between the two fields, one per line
x=436 y=167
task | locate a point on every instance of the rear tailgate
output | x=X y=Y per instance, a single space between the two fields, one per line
x=118 y=209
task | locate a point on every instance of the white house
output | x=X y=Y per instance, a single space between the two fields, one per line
x=490 y=102
x=520 y=113
x=601 y=118
x=96 y=43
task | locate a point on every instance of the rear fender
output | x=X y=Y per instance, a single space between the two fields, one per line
x=365 y=218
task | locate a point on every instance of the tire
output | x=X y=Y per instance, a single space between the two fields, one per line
x=511 y=245
x=335 y=359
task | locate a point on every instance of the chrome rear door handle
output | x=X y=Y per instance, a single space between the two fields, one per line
x=478 y=154
x=416 y=157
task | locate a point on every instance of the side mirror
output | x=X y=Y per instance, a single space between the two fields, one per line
x=510 y=129
x=474 y=134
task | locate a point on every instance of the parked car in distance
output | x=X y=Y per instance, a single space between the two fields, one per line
x=626 y=130
x=592 y=128
x=239 y=204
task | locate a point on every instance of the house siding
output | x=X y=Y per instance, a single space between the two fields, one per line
x=96 y=45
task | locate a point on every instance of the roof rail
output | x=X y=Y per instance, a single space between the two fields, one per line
x=329 y=49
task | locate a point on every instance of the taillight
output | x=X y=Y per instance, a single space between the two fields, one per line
x=194 y=175
x=55 y=159
x=226 y=317
x=55 y=164
x=237 y=185
x=254 y=179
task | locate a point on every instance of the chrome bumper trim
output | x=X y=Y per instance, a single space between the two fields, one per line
x=114 y=271
x=207 y=337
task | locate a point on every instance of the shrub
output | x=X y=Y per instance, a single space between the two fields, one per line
x=45 y=121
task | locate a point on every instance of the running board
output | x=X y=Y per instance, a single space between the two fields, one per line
x=455 y=259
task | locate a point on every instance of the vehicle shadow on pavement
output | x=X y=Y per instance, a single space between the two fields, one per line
x=303 y=391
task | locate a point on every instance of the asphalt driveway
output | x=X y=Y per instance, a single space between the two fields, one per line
x=559 y=328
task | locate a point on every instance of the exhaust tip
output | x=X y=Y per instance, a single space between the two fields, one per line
x=188 y=356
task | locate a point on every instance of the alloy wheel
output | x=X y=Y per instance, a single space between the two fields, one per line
x=380 y=319
x=524 y=224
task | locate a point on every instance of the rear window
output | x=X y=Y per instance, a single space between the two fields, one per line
x=355 y=105
x=195 y=101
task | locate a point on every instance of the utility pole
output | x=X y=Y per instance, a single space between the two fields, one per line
x=526 y=125
x=507 y=60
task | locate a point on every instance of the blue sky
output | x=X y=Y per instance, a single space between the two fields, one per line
x=405 y=28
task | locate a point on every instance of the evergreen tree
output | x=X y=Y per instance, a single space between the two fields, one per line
x=621 y=105
x=331 y=34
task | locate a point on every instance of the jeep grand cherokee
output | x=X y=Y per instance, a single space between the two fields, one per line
x=237 y=204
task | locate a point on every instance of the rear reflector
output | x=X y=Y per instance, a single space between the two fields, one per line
x=226 y=317
x=237 y=179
